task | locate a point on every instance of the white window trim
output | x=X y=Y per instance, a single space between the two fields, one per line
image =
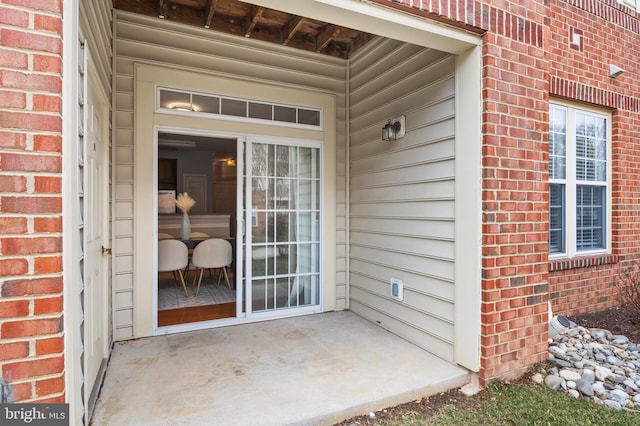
x=187 y=111
x=633 y=4
x=570 y=182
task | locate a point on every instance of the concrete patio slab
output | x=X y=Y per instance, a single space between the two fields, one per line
x=315 y=370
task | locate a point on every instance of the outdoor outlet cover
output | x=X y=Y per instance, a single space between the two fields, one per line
x=396 y=289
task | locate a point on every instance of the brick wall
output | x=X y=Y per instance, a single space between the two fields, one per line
x=528 y=56
x=608 y=33
x=515 y=91
x=515 y=202
x=31 y=325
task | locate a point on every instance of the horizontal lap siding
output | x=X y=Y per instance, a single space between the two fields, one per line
x=143 y=40
x=124 y=195
x=402 y=192
x=95 y=19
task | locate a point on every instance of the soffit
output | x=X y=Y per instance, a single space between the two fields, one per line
x=257 y=22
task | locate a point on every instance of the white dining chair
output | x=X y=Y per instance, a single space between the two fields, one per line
x=212 y=254
x=173 y=256
x=196 y=235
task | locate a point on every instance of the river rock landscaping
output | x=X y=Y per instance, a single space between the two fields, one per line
x=585 y=376
x=594 y=364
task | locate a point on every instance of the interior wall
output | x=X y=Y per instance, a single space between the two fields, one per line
x=144 y=40
x=402 y=193
x=193 y=162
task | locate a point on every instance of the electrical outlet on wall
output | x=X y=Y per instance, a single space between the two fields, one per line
x=396 y=288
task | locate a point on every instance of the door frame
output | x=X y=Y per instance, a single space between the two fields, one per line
x=197 y=325
x=92 y=86
x=243 y=224
x=247 y=223
x=148 y=121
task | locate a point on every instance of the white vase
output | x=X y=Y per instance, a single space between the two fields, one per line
x=186 y=227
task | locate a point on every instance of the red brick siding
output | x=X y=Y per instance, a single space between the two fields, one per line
x=610 y=35
x=527 y=56
x=31 y=320
x=515 y=91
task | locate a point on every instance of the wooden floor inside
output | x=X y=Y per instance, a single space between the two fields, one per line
x=196 y=314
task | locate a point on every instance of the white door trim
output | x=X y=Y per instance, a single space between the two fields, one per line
x=241 y=317
x=96 y=299
x=148 y=122
x=71 y=273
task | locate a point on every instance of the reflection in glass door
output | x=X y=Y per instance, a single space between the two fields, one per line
x=282 y=238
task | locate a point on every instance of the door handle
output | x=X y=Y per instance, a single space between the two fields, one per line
x=106 y=250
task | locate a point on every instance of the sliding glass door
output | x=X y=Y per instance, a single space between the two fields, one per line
x=281 y=241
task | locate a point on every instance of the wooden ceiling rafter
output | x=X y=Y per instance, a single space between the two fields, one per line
x=252 y=19
x=209 y=12
x=163 y=6
x=326 y=36
x=293 y=25
x=244 y=19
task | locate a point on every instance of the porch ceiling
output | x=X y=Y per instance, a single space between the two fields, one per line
x=260 y=23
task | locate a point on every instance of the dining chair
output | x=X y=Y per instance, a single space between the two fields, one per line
x=212 y=254
x=164 y=236
x=196 y=235
x=173 y=256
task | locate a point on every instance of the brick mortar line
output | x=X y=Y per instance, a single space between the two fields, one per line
x=31 y=10
x=596 y=7
x=30 y=358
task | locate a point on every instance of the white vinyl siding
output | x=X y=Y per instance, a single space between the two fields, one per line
x=140 y=39
x=402 y=193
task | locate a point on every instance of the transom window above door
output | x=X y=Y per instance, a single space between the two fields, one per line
x=173 y=101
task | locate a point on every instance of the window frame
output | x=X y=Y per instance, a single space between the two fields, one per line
x=571 y=183
x=633 y=4
x=232 y=108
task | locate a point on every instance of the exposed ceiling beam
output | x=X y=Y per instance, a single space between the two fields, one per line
x=294 y=23
x=325 y=36
x=210 y=10
x=255 y=20
x=252 y=19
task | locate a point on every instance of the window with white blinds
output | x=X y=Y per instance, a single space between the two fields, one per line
x=578 y=181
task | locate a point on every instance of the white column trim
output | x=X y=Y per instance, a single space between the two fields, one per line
x=468 y=190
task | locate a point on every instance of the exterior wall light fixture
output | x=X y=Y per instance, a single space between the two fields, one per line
x=394 y=129
x=614 y=71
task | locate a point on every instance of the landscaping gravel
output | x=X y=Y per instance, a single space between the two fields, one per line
x=594 y=364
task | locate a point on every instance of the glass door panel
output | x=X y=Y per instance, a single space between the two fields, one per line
x=283 y=248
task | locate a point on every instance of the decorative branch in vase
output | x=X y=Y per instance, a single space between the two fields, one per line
x=184 y=203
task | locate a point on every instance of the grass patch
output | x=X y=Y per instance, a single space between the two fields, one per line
x=523 y=404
